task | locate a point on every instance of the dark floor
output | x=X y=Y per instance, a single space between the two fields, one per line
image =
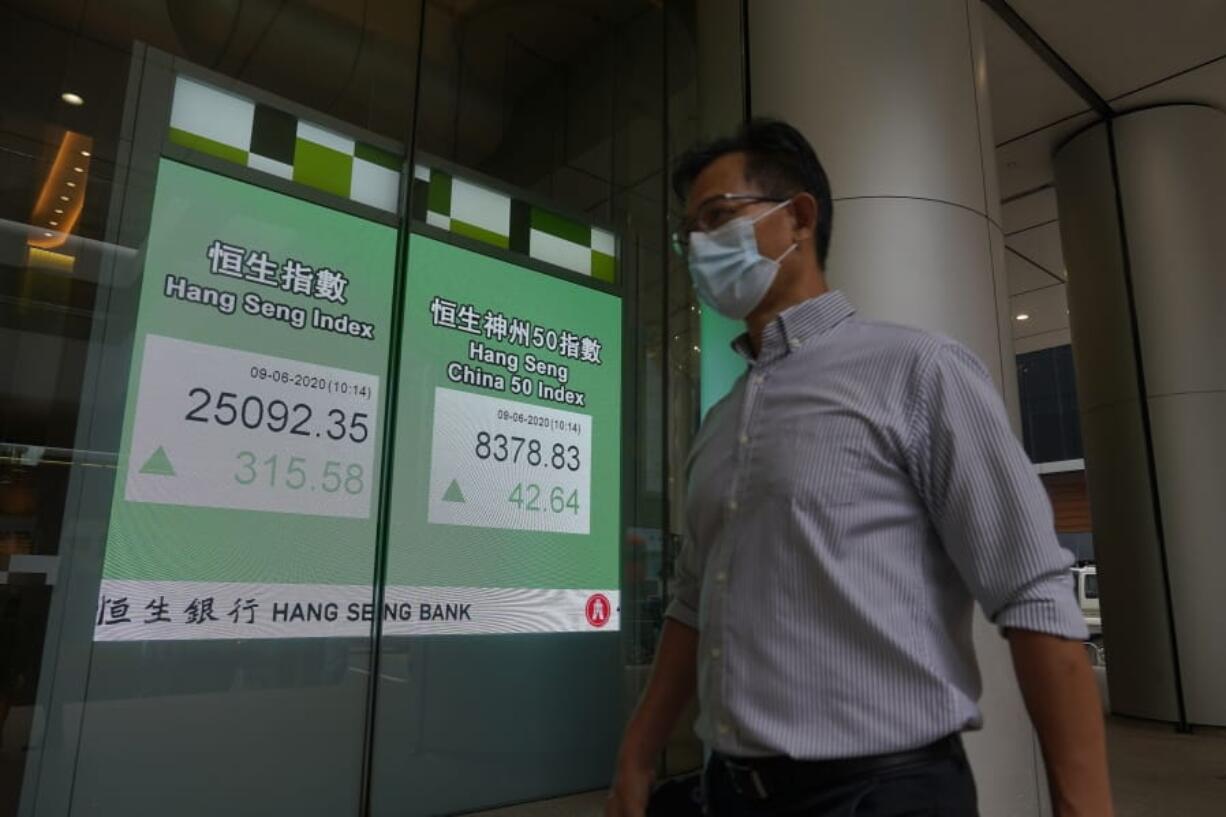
x=1154 y=772
x=1158 y=773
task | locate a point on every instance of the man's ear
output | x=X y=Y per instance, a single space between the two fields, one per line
x=804 y=215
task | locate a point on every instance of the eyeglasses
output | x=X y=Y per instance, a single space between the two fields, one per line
x=714 y=213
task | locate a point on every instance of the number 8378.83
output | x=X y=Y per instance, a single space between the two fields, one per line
x=502 y=448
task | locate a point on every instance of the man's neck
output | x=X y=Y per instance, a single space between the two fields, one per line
x=764 y=316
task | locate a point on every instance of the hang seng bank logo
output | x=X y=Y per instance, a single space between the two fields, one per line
x=598 y=610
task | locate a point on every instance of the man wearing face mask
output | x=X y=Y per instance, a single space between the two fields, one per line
x=851 y=498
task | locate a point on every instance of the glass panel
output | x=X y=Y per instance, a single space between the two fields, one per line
x=199 y=249
x=1070 y=413
x=699 y=49
x=207 y=208
x=1051 y=423
x=538 y=201
x=1091 y=585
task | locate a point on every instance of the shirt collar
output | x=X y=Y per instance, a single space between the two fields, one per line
x=795 y=326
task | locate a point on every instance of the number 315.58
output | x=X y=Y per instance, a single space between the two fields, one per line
x=296 y=473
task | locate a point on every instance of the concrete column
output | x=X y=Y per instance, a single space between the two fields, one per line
x=1140 y=221
x=894 y=98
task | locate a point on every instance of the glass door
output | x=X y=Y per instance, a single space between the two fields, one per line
x=340 y=383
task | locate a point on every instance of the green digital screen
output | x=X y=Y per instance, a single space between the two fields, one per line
x=247 y=494
x=719 y=366
x=245 y=502
x=510 y=399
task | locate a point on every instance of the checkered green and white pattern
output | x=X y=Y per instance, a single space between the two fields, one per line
x=259 y=136
x=465 y=208
x=249 y=133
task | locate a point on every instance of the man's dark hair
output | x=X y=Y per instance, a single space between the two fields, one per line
x=777 y=159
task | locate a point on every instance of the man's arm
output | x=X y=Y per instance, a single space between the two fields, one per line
x=672 y=685
x=1062 y=697
x=995 y=522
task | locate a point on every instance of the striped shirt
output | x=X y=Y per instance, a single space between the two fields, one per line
x=849 y=500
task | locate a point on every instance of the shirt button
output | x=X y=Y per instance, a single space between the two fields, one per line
x=715 y=652
x=744 y=439
x=794 y=343
x=732 y=504
x=721 y=576
x=724 y=728
x=759 y=380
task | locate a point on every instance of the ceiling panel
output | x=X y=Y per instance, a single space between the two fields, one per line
x=1026 y=94
x=1044 y=340
x=1026 y=277
x=1025 y=164
x=1120 y=45
x=1206 y=85
x=1041 y=245
x=1029 y=211
x=1047 y=310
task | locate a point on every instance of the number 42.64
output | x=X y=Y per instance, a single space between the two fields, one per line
x=531 y=497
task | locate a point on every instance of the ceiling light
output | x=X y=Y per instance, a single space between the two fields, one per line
x=54 y=223
x=64 y=198
x=79 y=169
x=85 y=153
x=1023 y=317
x=49 y=235
x=59 y=209
x=72 y=184
x=71 y=98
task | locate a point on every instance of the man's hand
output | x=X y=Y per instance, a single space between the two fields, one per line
x=631 y=788
x=1062 y=696
x=672 y=685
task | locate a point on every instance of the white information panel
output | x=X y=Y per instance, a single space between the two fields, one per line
x=222 y=428
x=503 y=464
x=194 y=610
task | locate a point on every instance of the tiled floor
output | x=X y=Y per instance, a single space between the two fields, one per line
x=582 y=805
x=1155 y=773
x=1158 y=773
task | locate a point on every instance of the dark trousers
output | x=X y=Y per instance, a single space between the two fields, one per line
x=935 y=788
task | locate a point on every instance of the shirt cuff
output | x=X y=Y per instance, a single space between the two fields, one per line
x=682 y=612
x=1049 y=608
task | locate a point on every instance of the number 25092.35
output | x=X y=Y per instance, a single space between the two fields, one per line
x=252 y=412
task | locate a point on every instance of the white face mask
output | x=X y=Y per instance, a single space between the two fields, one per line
x=729 y=272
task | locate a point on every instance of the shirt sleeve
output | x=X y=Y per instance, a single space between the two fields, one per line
x=686 y=586
x=985 y=500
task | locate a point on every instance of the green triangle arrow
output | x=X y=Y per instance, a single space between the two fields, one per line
x=454 y=494
x=159 y=464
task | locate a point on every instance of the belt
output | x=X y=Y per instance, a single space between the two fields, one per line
x=761 y=778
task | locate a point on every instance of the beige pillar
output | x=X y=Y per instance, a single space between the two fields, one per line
x=1144 y=245
x=893 y=97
